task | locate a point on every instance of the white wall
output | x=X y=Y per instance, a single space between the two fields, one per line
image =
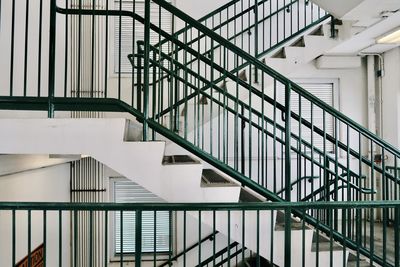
x=197 y=9
x=391 y=97
x=47 y=185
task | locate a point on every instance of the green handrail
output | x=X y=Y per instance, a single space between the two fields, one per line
x=254 y=61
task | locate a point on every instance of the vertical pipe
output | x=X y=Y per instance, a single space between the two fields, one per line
x=52 y=59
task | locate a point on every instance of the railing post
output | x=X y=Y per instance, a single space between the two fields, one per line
x=146 y=67
x=333 y=33
x=288 y=192
x=138 y=238
x=256 y=38
x=139 y=79
x=52 y=59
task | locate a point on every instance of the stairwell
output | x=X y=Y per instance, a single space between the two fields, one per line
x=231 y=141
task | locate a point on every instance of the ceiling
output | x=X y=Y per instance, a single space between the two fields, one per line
x=370 y=18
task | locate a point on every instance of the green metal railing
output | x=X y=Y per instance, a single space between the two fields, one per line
x=47 y=224
x=248 y=129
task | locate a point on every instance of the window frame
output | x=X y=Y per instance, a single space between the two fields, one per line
x=335 y=95
x=130 y=257
x=112 y=74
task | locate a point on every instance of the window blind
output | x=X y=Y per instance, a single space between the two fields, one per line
x=130 y=192
x=323 y=91
x=133 y=31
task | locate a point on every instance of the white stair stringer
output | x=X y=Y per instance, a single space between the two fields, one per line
x=103 y=139
x=315 y=45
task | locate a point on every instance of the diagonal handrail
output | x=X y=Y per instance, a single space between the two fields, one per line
x=298 y=89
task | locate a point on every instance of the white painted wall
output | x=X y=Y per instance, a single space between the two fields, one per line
x=47 y=185
x=391 y=97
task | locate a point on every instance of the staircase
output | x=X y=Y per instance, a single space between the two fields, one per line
x=224 y=101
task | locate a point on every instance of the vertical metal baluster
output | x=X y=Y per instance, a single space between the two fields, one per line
x=146 y=67
x=277 y=22
x=134 y=41
x=348 y=189
x=91 y=238
x=312 y=150
x=336 y=185
x=12 y=48
x=105 y=237
x=138 y=238
x=303 y=237
x=52 y=54
x=29 y=238
x=78 y=80
x=229 y=236
x=26 y=45
x=385 y=210
x=358 y=211
x=154 y=92
x=372 y=215
x=169 y=235
x=243 y=232
x=186 y=104
x=66 y=37
x=274 y=139
x=184 y=237
x=93 y=49
x=119 y=48
x=288 y=89
x=121 y=236
x=40 y=43
x=396 y=235
x=258 y=238
x=60 y=258
x=284 y=21
x=214 y=237
x=13 y=238
x=199 y=236
x=44 y=237
x=106 y=57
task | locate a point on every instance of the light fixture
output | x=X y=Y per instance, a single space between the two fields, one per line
x=392 y=37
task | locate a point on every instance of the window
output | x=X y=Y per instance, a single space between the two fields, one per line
x=327 y=92
x=126 y=191
x=133 y=31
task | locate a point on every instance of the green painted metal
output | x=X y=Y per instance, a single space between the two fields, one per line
x=168 y=90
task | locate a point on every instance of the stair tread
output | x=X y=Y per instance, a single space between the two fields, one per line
x=324 y=243
x=319 y=31
x=246 y=196
x=179 y=160
x=299 y=42
x=295 y=224
x=352 y=261
x=210 y=177
x=280 y=54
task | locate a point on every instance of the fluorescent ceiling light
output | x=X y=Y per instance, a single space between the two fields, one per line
x=392 y=37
